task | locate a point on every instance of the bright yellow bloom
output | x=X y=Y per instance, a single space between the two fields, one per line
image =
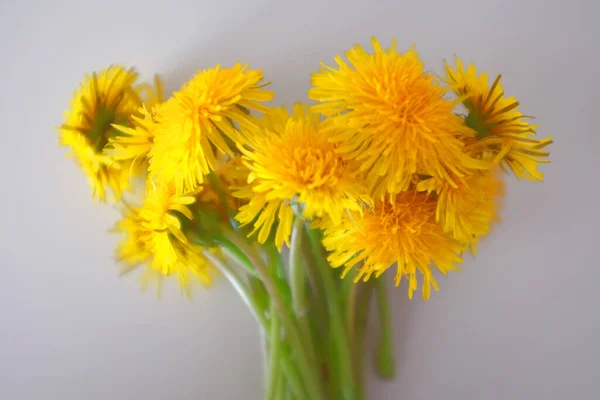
x=467 y=212
x=197 y=120
x=502 y=129
x=292 y=163
x=394 y=116
x=104 y=98
x=132 y=249
x=154 y=232
x=404 y=232
x=134 y=143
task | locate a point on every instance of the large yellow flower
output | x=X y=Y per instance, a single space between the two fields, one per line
x=154 y=233
x=404 y=232
x=196 y=122
x=292 y=163
x=467 y=212
x=107 y=97
x=501 y=128
x=394 y=116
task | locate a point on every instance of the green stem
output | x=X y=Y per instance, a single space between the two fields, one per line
x=258 y=312
x=297 y=277
x=319 y=322
x=252 y=259
x=337 y=321
x=275 y=345
x=385 y=356
x=362 y=310
x=293 y=388
x=352 y=325
x=308 y=374
x=240 y=286
x=234 y=252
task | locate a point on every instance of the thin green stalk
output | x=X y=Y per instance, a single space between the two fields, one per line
x=292 y=388
x=297 y=278
x=240 y=286
x=279 y=387
x=385 y=355
x=275 y=345
x=284 y=393
x=362 y=310
x=297 y=275
x=251 y=259
x=294 y=383
x=234 y=252
x=310 y=379
x=319 y=324
x=337 y=320
x=352 y=323
x=258 y=312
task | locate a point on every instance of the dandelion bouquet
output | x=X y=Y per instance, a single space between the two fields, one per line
x=389 y=166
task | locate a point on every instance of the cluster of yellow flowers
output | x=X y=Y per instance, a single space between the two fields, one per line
x=395 y=164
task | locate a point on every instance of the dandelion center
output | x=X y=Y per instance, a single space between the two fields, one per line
x=314 y=168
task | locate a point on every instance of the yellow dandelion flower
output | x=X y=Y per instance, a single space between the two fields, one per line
x=164 y=226
x=134 y=143
x=131 y=250
x=292 y=163
x=154 y=233
x=104 y=99
x=502 y=129
x=467 y=212
x=404 y=232
x=194 y=124
x=395 y=118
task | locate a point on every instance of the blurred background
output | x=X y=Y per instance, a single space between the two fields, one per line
x=519 y=322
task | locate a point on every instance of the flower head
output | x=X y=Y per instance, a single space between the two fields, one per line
x=394 y=117
x=104 y=98
x=107 y=98
x=131 y=250
x=404 y=232
x=292 y=163
x=197 y=121
x=134 y=143
x=154 y=233
x=468 y=211
x=501 y=128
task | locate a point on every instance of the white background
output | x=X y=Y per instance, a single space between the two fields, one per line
x=520 y=322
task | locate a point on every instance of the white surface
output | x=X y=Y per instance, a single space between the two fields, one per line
x=521 y=322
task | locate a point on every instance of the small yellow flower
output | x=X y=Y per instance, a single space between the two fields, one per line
x=134 y=143
x=395 y=118
x=292 y=163
x=404 y=232
x=104 y=98
x=467 y=212
x=132 y=249
x=501 y=128
x=154 y=233
x=196 y=122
